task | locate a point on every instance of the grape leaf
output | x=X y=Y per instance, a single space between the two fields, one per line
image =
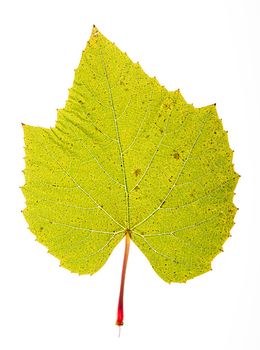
x=127 y=158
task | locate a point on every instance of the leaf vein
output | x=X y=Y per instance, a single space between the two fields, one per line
x=177 y=178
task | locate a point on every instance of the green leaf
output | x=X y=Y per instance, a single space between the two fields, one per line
x=127 y=157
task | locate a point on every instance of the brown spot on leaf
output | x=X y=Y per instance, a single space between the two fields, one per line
x=137 y=172
x=176 y=155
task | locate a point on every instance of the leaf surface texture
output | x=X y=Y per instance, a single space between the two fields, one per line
x=126 y=155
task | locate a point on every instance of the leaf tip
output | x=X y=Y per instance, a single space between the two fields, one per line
x=95 y=31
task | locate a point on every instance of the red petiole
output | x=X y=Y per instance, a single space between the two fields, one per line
x=120 y=308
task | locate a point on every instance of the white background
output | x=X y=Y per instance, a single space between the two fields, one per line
x=208 y=49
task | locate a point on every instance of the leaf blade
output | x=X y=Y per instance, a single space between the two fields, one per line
x=126 y=155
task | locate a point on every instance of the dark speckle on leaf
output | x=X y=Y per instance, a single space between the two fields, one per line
x=137 y=172
x=176 y=155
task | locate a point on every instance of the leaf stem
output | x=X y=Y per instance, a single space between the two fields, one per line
x=120 y=308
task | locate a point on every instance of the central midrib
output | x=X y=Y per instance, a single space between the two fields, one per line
x=122 y=163
x=122 y=160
